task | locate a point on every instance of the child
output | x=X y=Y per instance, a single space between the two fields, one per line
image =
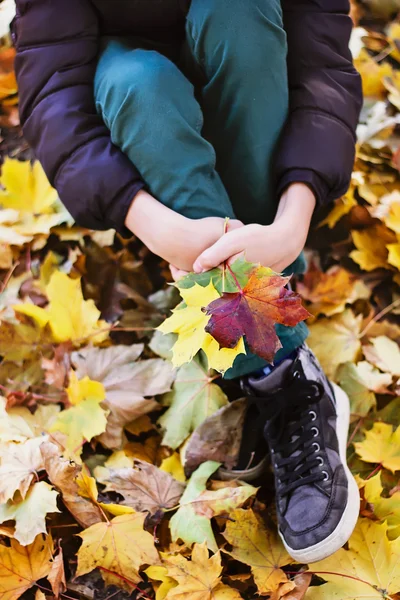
x=163 y=117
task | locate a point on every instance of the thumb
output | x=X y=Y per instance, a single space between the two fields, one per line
x=228 y=245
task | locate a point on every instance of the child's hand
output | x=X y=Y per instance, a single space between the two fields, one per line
x=276 y=245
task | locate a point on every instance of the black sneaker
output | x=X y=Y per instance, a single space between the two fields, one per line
x=306 y=422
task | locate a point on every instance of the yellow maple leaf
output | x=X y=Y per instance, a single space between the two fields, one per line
x=371 y=244
x=19 y=466
x=381 y=446
x=190 y=322
x=174 y=467
x=118 y=548
x=372 y=74
x=336 y=340
x=26 y=187
x=384 y=353
x=394 y=255
x=262 y=550
x=167 y=583
x=341 y=208
x=198 y=578
x=69 y=316
x=368 y=570
x=385 y=509
x=30 y=513
x=22 y=566
x=85 y=419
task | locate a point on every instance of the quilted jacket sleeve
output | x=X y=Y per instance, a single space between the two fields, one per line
x=318 y=144
x=57 y=46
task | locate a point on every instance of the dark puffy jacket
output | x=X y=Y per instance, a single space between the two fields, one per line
x=57 y=46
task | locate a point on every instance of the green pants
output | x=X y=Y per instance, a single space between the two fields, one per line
x=201 y=120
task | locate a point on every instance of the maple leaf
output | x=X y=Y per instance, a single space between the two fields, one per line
x=253 y=311
x=193 y=398
x=394 y=255
x=341 y=208
x=144 y=487
x=119 y=548
x=262 y=550
x=385 y=509
x=174 y=467
x=336 y=340
x=56 y=577
x=129 y=384
x=19 y=466
x=63 y=474
x=186 y=524
x=86 y=418
x=198 y=578
x=371 y=245
x=22 y=566
x=167 y=583
x=330 y=292
x=384 y=354
x=190 y=323
x=69 y=316
x=30 y=513
x=369 y=569
x=382 y=446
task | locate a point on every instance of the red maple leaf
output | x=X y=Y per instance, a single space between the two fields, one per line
x=253 y=311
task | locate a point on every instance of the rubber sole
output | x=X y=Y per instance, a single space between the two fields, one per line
x=347 y=523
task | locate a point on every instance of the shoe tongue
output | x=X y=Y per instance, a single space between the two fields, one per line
x=271 y=382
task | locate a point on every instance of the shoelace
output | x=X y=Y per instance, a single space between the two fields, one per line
x=290 y=431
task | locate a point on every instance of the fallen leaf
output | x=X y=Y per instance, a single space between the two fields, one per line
x=382 y=446
x=198 y=578
x=302 y=583
x=190 y=323
x=26 y=187
x=336 y=340
x=362 y=399
x=129 y=384
x=86 y=418
x=385 y=509
x=253 y=311
x=371 y=247
x=262 y=550
x=218 y=438
x=22 y=566
x=193 y=398
x=119 y=548
x=341 y=208
x=384 y=354
x=369 y=569
x=174 y=467
x=19 y=466
x=212 y=503
x=144 y=487
x=63 y=474
x=70 y=317
x=186 y=524
x=56 y=577
x=30 y=513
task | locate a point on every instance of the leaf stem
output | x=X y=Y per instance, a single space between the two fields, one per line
x=129 y=581
x=234 y=278
x=379 y=316
x=375 y=471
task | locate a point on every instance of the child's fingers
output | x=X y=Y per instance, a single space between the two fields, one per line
x=228 y=245
x=177 y=273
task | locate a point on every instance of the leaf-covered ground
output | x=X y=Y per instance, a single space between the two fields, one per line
x=108 y=454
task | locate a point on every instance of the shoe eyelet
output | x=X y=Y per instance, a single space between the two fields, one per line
x=316 y=446
x=312 y=414
x=316 y=431
x=321 y=461
x=296 y=374
x=326 y=475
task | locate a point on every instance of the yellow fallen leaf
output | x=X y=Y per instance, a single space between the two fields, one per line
x=85 y=419
x=173 y=466
x=384 y=353
x=26 y=187
x=385 y=509
x=21 y=567
x=30 y=513
x=394 y=255
x=19 y=466
x=341 y=208
x=118 y=548
x=372 y=74
x=336 y=340
x=190 y=322
x=368 y=570
x=381 y=446
x=198 y=578
x=371 y=247
x=70 y=317
x=160 y=574
x=262 y=550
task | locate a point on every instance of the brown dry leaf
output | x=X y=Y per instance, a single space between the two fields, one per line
x=262 y=550
x=19 y=466
x=56 y=577
x=302 y=583
x=147 y=451
x=198 y=578
x=22 y=566
x=218 y=438
x=330 y=292
x=144 y=488
x=129 y=384
x=119 y=548
x=57 y=368
x=63 y=474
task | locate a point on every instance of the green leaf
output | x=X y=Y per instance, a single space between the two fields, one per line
x=222 y=279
